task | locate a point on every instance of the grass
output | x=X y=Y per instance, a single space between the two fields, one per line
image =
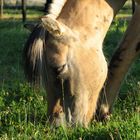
x=23 y=109
x=125 y=12
x=15 y=13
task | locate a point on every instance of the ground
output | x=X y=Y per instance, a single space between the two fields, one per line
x=23 y=109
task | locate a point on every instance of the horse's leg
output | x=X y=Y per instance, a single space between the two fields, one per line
x=122 y=59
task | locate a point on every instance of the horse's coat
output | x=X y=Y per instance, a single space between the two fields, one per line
x=66 y=55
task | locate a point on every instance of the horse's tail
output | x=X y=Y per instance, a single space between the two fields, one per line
x=33 y=54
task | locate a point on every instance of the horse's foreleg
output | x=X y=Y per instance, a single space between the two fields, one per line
x=122 y=59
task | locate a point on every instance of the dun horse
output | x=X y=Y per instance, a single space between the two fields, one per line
x=66 y=56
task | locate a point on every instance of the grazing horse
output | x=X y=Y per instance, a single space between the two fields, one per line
x=66 y=56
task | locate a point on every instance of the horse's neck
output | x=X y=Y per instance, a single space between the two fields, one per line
x=91 y=18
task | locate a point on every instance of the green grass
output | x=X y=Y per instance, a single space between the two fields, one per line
x=15 y=13
x=23 y=109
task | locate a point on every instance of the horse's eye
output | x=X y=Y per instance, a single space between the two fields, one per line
x=59 y=69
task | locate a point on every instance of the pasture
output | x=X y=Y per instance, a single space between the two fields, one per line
x=23 y=109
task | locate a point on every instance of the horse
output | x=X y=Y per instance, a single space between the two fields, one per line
x=65 y=54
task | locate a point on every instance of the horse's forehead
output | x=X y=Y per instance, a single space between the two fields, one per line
x=55 y=47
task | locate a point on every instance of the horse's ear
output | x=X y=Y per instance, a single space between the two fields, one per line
x=30 y=26
x=58 y=29
x=52 y=26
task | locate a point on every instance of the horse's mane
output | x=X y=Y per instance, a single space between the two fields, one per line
x=33 y=53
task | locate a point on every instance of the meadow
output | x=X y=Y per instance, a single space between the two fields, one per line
x=23 y=109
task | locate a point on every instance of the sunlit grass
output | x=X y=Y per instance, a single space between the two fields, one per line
x=32 y=13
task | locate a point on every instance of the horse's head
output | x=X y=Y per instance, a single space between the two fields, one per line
x=57 y=56
x=57 y=48
x=48 y=55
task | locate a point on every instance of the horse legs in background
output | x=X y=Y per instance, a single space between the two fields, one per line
x=127 y=52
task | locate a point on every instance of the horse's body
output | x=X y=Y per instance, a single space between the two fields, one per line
x=72 y=65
